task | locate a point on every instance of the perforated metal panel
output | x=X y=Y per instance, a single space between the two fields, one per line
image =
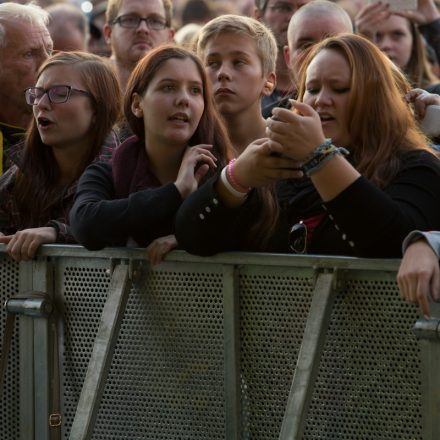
x=274 y=304
x=83 y=286
x=10 y=404
x=166 y=379
x=369 y=379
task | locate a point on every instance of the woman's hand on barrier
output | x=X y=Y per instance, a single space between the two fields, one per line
x=419 y=275
x=295 y=135
x=426 y=12
x=24 y=244
x=158 y=248
x=196 y=162
x=421 y=99
x=367 y=18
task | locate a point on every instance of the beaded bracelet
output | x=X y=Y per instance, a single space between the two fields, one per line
x=318 y=161
x=229 y=187
x=320 y=149
x=233 y=180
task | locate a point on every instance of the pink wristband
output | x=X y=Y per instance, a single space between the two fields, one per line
x=233 y=179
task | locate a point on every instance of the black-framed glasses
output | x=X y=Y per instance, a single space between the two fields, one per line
x=56 y=94
x=298 y=238
x=131 y=21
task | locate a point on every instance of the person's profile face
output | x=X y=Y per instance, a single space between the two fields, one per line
x=235 y=70
x=173 y=103
x=327 y=90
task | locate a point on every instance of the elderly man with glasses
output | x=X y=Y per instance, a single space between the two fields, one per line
x=133 y=28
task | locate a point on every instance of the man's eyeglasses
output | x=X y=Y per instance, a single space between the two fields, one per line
x=133 y=21
x=298 y=238
x=56 y=94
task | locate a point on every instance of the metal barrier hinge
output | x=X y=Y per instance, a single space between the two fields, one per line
x=427 y=328
x=36 y=307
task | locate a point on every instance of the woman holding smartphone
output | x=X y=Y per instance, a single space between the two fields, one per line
x=369 y=177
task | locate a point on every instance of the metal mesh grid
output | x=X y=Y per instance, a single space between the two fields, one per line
x=84 y=291
x=10 y=404
x=274 y=304
x=166 y=379
x=369 y=380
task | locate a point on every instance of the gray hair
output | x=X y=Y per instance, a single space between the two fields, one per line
x=30 y=12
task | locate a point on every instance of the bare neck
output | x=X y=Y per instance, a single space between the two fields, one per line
x=123 y=71
x=165 y=160
x=284 y=81
x=69 y=160
x=245 y=128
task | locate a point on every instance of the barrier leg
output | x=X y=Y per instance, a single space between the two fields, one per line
x=232 y=352
x=428 y=335
x=308 y=358
x=100 y=361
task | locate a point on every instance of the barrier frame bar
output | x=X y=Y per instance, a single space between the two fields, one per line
x=309 y=358
x=100 y=361
x=427 y=331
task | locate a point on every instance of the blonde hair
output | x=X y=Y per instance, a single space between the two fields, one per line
x=264 y=40
x=113 y=7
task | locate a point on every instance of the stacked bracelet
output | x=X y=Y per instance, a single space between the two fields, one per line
x=229 y=187
x=233 y=180
x=321 y=155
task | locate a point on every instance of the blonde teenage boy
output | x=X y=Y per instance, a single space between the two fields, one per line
x=239 y=54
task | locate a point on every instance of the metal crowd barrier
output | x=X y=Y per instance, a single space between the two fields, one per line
x=236 y=346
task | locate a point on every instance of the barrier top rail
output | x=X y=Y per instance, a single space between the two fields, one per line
x=234 y=258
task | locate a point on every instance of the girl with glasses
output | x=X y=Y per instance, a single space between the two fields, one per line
x=369 y=176
x=178 y=141
x=75 y=104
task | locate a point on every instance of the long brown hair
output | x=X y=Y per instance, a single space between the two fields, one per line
x=38 y=179
x=210 y=129
x=418 y=69
x=381 y=124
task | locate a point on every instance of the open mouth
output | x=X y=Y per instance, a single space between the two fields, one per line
x=181 y=117
x=326 y=118
x=44 y=122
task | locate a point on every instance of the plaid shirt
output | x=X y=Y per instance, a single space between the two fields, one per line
x=12 y=143
x=10 y=217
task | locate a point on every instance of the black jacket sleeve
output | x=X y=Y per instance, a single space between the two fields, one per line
x=205 y=226
x=97 y=220
x=376 y=221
